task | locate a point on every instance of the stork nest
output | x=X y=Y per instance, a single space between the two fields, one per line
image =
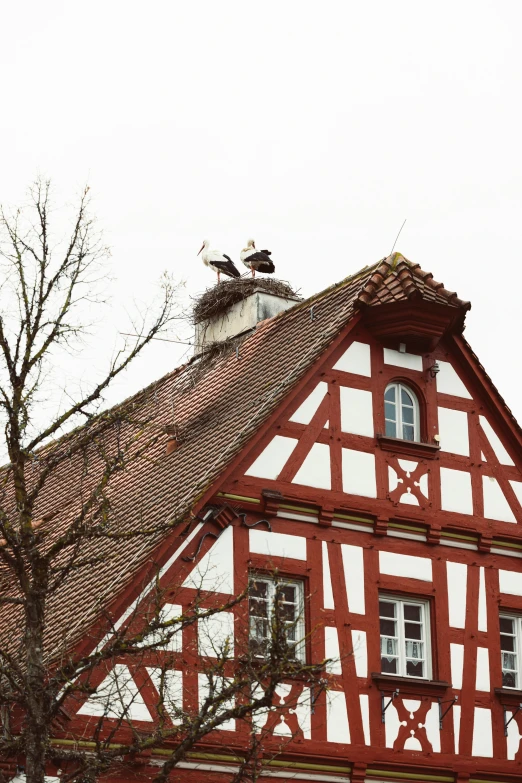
x=222 y=296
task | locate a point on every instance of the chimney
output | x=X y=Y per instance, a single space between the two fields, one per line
x=235 y=306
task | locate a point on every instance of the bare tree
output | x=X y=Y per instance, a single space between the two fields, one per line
x=46 y=286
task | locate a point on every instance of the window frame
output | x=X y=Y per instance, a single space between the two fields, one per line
x=517 y=619
x=399 y=385
x=300 y=623
x=401 y=658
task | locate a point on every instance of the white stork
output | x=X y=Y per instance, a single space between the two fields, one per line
x=257 y=260
x=219 y=262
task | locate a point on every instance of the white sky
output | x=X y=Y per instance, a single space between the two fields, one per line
x=316 y=128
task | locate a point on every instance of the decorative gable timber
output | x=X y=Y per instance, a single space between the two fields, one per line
x=326 y=447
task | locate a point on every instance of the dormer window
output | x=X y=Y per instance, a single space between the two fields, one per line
x=401 y=412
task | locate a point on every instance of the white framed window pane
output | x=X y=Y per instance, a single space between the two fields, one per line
x=389 y=665
x=406 y=398
x=408 y=432
x=412 y=630
x=507 y=625
x=404 y=637
x=413 y=612
x=408 y=415
x=510 y=631
x=387 y=608
x=414 y=669
x=268 y=596
x=391 y=429
x=390 y=411
x=401 y=412
x=414 y=650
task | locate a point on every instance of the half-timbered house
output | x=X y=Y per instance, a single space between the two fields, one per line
x=351 y=458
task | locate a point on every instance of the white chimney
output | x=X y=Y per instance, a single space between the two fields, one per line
x=235 y=306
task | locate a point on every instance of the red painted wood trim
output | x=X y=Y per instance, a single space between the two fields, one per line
x=344 y=621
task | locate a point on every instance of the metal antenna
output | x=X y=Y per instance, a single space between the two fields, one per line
x=398 y=235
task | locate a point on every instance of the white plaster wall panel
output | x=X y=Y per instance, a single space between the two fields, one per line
x=457 y=575
x=260 y=717
x=453 y=431
x=169 y=685
x=353 y=566
x=482 y=676
x=457 y=664
x=303 y=711
x=356 y=411
x=273 y=458
x=455 y=488
x=315 y=470
x=516 y=486
x=448 y=382
x=215 y=570
x=456 y=725
x=495 y=442
x=331 y=650
x=328 y=599
x=510 y=582
x=118 y=697
x=408 y=498
x=359 y=473
x=337 y=728
x=408 y=465
x=360 y=653
x=216 y=635
x=356 y=359
x=412 y=743
x=391 y=725
x=513 y=736
x=393 y=480
x=408 y=360
x=432 y=727
x=495 y=503
x=283 y=691
x=482 y=736
x=263 y=542
x=308 y=408
x=365 y=715
x=405 y=565
x=423 y=485
x=203 y=690
x=174 y=643
x=482 y=605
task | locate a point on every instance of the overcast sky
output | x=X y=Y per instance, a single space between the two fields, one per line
x=315 y=128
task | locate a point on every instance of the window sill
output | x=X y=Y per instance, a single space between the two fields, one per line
x=411 y=447
x=410 y=684
x=510 y=696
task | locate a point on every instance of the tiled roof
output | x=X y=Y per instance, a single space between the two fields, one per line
x=216 y=407
x=397 y=279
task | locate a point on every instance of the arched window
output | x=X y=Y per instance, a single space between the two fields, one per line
x=401 y=412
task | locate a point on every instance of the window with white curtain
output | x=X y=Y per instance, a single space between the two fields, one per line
x=405 y=637
x=510 y=639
